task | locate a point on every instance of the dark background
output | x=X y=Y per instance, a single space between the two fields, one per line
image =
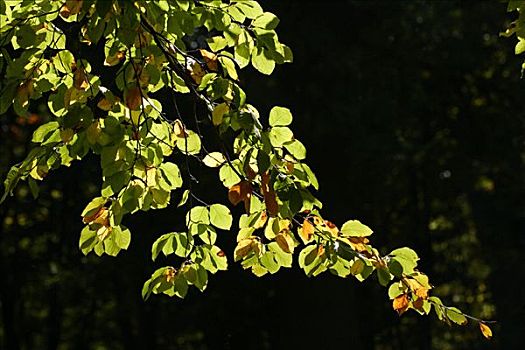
x=413 y=116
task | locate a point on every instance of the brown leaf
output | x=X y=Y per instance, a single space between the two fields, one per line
x=250 y=173
x=80 y=80
x=210 y=58
x=270 y=198
x=285 y=242
x=243 y=248
x=400 y=303
x=105 y=104
x=66 y=135
x=95 y=216
x=71 y=7
x=133 y=98
x=289 y=167
x=485 y=330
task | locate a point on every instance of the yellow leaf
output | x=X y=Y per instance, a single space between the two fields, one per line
x=178 y=129
x=151 y=176
x=218 y=113
x=357 y=267
x=214 y=159
x=170 y=274
x=332 y=228
x=103 y=232
x=306 y=231
x=210 y=58
x=485 y=330
x=196 y=71
x=261 y=221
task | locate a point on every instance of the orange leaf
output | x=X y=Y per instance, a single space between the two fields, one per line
x=358 y=243
x=102 y=211
x=170 y=274
x=241 y=192
x=306 y=231
x=485 y=330
x=210 y=58
x=133 y=98
x=400 y=303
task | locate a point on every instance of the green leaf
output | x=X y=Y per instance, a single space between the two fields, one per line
x=261 y=62
x=455 y=315
x=43 y=131
x=220 y=216
x=396 y=289
x=182 y=244
x=280 y=135
x=354 y=228
x=122 y=237
x=159 y=245
x=520 y=46
x=242 y=54
x=228 y=176
x=268 y=262
x=284 y=259
x=266 y=21
x=191 y=144
x=307 y=256
x=384 y=276
x=403 y=260
x=296 y=149
x=93 y=206
x=88 y=240
x=280 y=116
x=33 y=186
x=184 y=198
x=64 y=61
x=198 y=215
x=217 y=43
x=171 y=173
x=214 y=159
x=10 y=182
x=250 y=8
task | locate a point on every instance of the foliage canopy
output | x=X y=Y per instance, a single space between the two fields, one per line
x=103 y=68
